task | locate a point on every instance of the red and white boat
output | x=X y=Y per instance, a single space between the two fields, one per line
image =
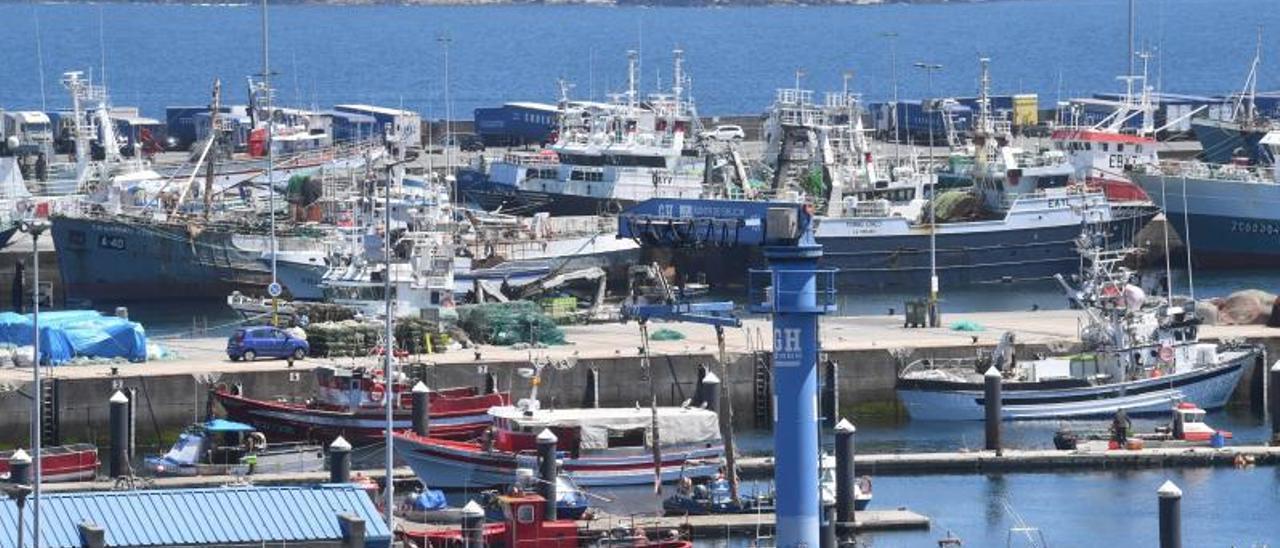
x=1105 y=153
x=1103 y=159
x=75 y=462
x=606 y=446
x=349 y=403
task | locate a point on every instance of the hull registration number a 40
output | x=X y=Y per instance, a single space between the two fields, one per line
x=108 y=241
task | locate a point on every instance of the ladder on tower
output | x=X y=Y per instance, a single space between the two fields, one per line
x=762 y=381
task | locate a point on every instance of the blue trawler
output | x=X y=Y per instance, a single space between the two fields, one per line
x=1224 y=213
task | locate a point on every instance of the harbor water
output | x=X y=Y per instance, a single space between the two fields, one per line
x=157 y=55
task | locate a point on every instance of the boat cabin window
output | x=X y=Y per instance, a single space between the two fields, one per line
x=633 y=437
x=524 y=514
x=1106 y=147
x=1120 y=147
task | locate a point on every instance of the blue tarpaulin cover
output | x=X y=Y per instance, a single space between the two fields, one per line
x=66 y=334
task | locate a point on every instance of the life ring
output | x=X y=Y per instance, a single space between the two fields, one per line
x=1166 y=353
x=256 y=441
x=377 y=392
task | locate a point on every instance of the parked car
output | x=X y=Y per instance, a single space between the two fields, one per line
x=466 y=142
x=726 y=133
x=253 y=342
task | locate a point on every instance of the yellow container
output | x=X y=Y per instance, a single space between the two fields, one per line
x=1026 y=109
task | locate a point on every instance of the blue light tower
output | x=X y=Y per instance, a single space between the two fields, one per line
x=795 y=292
x=792 y=296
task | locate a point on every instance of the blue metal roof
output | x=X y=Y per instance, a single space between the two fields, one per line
x=212 y=516
x=224 y=425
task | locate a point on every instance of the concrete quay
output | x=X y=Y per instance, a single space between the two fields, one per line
x=870 y=351
x=721 y=526
x=1046 y=460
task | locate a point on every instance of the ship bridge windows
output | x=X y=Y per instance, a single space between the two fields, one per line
x=589 y=176
x=635 y=161
x=582 y=159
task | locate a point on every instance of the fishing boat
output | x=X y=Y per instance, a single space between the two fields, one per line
x=715 y=496
x=349 y=402
x=571 y=501
x=606 y=156
x=1139 y=355
x=223 y=447
x=1222 y=212
x=1187 y=428
x=1104 y=153
x=884 y=232
x=601 y=446
x=1238 y=137
x=524 y=523
x=61 y=463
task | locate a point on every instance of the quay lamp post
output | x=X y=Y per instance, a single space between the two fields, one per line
x=929 y=69
x=18 y=494
x=35 y=227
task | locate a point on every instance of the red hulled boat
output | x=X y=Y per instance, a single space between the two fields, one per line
x=349 y=402
x=75 y=462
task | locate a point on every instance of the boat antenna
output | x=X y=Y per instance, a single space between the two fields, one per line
x=1186 y=222
x=102 y=46
x=388 y=348
x=1132 y=17
x=445 y=41
x=271 y=161
x=1168 y=261
x=35 y=15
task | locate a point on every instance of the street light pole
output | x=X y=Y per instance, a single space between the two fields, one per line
x=35 y=227
x=929 y=68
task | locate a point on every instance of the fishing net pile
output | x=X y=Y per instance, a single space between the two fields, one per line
x=344 y=338
x=957 y=205
x=505 y=324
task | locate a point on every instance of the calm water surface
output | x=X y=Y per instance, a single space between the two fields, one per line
x=157 y=55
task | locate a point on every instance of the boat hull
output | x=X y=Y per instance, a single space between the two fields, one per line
x=476 y=189
x=1232 y=223
x=112 y=258
x=1210 y=388
x=64 y=463
x=440 y=463
x=296 y=422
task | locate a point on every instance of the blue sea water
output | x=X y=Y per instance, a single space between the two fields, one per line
x=157 y=55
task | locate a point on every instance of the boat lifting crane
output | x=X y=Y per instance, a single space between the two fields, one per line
x=795 y=292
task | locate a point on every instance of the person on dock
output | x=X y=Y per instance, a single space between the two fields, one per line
x=1120 y=427
x=19 y=273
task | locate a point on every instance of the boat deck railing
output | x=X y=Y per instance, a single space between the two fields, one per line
x=1178 y=169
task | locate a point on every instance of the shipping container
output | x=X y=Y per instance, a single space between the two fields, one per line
x=400 y=124
x=180 y=123
x=516 y=124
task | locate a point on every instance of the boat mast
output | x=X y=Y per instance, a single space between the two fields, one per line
x=214 y=107
x=388 y=347
x=271 y=160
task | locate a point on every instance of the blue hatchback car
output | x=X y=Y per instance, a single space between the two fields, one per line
x=253 y=342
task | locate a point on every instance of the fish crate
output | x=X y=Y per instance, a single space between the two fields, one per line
x=560 y=309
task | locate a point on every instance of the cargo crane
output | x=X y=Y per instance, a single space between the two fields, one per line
x=795 y=292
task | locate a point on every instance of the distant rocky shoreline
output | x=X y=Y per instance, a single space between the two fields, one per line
x=655 y=3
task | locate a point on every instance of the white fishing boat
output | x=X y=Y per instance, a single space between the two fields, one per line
x=1139 y=355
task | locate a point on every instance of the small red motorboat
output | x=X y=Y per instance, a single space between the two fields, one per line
x=524 y=526
x=75 y=462
x=349 y=403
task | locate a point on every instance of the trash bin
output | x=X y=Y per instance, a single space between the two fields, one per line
x=1217 y=440
x=917 y=313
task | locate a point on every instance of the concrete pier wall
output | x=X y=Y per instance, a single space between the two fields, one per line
x=167 y=402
